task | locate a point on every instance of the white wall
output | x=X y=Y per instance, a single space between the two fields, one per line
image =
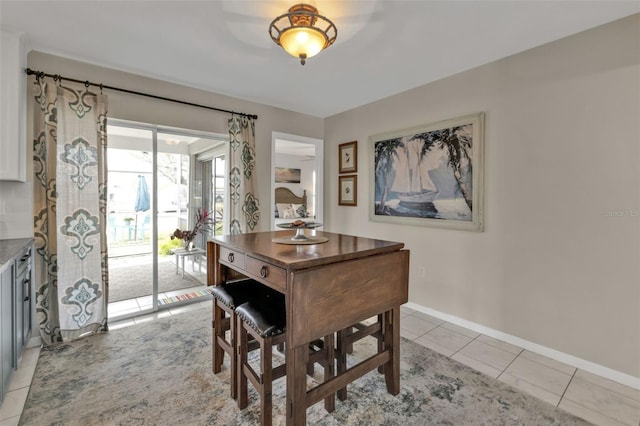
x=146 y=110
x=562 y=150
x=16 y=209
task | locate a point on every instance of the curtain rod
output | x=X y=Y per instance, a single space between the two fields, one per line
x=87 y=83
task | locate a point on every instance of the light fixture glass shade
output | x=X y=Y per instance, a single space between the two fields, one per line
x=302 y=32
x=302 y=42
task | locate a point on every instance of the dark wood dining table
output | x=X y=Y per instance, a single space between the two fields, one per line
x=328 y=287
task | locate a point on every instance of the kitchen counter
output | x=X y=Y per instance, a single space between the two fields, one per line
x=10 y=248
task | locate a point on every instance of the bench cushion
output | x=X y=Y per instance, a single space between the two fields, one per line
x=267 y=316
x=235 y=293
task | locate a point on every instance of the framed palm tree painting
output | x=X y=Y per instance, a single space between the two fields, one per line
x=430 y=175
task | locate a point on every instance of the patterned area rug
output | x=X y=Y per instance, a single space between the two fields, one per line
x=131 y=281
x=195 y=294
x=159 y=373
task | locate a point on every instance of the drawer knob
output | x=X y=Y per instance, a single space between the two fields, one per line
x=230 y=257
x=263 y=271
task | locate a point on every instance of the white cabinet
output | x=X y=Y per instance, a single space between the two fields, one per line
x=13 y=107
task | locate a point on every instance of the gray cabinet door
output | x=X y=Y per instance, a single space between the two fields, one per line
x=23 y=299
x=18 y=311
x=6 y=327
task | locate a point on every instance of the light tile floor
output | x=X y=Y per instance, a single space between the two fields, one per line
x=596 y=399
x=593 y=398
x=19 y=388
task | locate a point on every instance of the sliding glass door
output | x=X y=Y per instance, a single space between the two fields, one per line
x=155 y=185
x=210 y=189
x=129 y=219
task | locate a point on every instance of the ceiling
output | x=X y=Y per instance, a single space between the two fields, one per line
x=383 y=46
x=306 y=150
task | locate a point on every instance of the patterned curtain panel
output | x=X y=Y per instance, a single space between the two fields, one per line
x=245 y=207
x=70 y=174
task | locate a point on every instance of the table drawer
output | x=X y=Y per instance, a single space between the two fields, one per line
x=232 y=257
x=269 y=273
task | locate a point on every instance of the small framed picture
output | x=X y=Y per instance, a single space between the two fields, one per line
x=348 y=157
x=348 y=190
x=287 y=175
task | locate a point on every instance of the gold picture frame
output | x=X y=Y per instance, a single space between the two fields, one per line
x=348 y=157
x=348 y=190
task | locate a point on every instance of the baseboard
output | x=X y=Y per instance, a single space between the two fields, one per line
x=34 y=341
x=600 y=370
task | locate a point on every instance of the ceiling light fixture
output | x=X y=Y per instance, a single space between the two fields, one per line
x=303 y=33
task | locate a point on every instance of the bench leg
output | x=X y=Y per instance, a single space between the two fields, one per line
x=218 y=352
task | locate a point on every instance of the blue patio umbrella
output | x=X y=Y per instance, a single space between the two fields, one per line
x=143 y=201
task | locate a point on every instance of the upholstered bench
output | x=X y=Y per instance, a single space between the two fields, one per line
x=265 y=321
x=226 y=298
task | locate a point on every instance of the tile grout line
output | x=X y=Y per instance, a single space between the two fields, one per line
x=512 y=361
x=589 y=409
x=535 y=386
x=548 y=366
x=450 y=331
x=422 y=334
x=490 y=343
x=567 y=387
x=465 y=345
x=591 y=384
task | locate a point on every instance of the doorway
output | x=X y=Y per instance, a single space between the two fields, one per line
x=152 y=191
x=305 y=156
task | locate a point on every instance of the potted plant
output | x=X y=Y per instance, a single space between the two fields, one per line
x=203 y=222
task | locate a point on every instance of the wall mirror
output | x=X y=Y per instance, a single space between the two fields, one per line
x=297 y=168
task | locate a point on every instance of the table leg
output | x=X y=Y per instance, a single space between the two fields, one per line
x=329 y=371
x=183 y=266
x=392 y=343
x=341 y=360
x=296 y=360
x=176 y=263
